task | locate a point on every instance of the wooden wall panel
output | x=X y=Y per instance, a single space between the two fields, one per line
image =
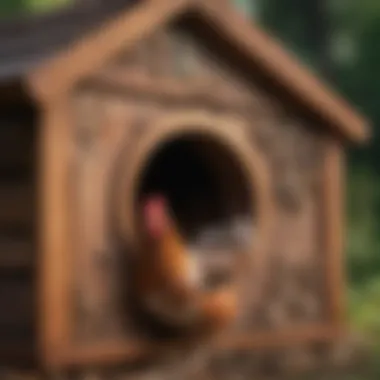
x=109 y=113
x=290 y=141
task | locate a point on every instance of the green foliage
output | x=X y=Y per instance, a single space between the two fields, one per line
x=288 y=22
x=363 y=228
x=11 y=8
x=246 y=6
x=363 y=259
x=46 y=5
x=364 y=307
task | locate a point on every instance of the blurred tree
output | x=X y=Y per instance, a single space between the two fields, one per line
x=248 y=7
x=339 y=40
x=305 y=27
x=12 y=8
x=9 y=7
x=360 y=78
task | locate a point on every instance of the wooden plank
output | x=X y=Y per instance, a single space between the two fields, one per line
x=106 y=353
x=89 y=54
x=287 y=337
x=16 y=204
x=115 y=352
x=16 y=253
x=172 y=89
x=333 y=234
x=54 y=303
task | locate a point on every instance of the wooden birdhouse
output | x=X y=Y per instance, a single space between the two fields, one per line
x=184 y=98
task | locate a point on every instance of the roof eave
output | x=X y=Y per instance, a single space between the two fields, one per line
x=88 y=55
x=310 y=92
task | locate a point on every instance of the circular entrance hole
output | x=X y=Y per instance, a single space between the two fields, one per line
x=219 y=191
x=206 y=188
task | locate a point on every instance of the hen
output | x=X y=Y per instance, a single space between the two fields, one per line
x=169 y=281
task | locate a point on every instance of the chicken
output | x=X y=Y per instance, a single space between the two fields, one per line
x=216 y=310
x=169 y=281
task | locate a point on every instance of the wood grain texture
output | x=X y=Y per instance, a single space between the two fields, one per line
x=88 y=55
x=171 y=89
x=287 y=142
x=118 y=118
x=333 y=238
x=95 y=161
x=297 y=251
x=54 y=238
x=111 y=353
x=145 y=83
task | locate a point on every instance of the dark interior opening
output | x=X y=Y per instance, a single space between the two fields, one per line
x=18 y=141
x=204 y=184
x=211 y=200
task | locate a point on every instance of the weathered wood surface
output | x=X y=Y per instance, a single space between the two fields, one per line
x=291 y=145
x=343 y=358
x=95 y=131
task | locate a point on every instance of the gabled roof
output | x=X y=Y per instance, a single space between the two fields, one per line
x=26 y=41
x=126 y=29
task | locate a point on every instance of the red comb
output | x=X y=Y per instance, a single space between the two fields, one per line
x=155 y=202
x=154 y=209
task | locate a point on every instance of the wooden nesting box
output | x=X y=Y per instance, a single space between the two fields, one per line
x=186 y=97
